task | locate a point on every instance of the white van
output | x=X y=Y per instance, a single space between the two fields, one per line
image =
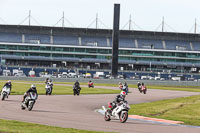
x=6 y=73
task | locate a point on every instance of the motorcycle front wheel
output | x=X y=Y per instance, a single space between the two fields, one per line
x=3 y=97
x=30 y=106
x=123 y=116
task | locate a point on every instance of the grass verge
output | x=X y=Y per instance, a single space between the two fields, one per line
x=19 y=87
x=10 y=126
x=186 y=109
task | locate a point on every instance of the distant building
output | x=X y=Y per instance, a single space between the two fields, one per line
x=91 y=48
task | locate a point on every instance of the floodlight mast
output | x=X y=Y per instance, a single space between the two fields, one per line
x=115 y=40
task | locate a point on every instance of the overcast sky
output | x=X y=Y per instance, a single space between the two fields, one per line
x=179 y=15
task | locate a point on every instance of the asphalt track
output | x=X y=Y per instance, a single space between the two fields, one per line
x=79 y=112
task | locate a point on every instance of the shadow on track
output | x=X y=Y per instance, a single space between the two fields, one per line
x=48 y=111
x=17 y=101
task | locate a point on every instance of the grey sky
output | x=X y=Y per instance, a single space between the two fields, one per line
x=179 y=14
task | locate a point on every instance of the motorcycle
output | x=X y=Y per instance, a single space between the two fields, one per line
x=119 y=113
x=91 y=85
x=29 y=101
x=49 y=88
x=142 y=89
x=125 y=88
x=5 y=92
x=77 y=90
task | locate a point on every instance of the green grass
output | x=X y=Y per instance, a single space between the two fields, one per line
x=20 y=88
x=186 y=109
x=10 y=126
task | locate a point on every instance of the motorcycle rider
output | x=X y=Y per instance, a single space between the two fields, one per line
x=120 y=85
x=76 y=85
x=50 y=84
x=8 y=85
x=32 y=89
x=139 y=84
x=143 y=86
x=47 y=80
x=125 y=88
x=90 y=83
x=118 y=99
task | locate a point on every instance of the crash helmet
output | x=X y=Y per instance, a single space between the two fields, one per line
x=142 y=83
x=33 y=86
x=138 y=82
x=9 y=81
x=123 y=94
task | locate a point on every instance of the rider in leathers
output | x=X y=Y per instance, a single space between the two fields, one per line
x=119 y=98
x=8 y=85
x=32 y=89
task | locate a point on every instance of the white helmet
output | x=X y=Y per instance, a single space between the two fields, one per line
x=33 y=86
x=123 y=93
x=9 y=81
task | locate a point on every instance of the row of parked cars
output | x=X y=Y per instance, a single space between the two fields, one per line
x=18 y=73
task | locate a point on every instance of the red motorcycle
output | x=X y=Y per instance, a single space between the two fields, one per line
x=90 y=84
x=142 y=88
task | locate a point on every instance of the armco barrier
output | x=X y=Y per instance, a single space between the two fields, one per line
x=113 y=81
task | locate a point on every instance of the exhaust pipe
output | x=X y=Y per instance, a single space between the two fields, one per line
x=103 y=108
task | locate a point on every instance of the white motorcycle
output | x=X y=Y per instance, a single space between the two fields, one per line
x=29 y=101
x=119 y=113
x=48 y=88
x=5 y=92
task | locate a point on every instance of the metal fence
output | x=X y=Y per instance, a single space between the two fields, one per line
x=110 y=81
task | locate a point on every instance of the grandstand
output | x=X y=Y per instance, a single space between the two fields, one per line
x=92 y=48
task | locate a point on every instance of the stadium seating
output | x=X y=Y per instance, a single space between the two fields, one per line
x=65 y=40
x=10 y=37
x=126 y=43
x=196 y=46
x=177 y=45
x=37 y=38
x=94 y=41
x=100 y=41
x=150 y=44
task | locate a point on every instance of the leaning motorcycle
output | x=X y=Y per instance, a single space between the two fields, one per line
x=142 y=89
x=29 y=101
x=90 y=85
x=5 y=92
x=48 y=88
x=119 y=113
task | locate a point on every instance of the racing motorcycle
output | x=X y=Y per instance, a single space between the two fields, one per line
x=142 y=89
x=76 y=90
x=90 y=84
x=29 y=101
x=5 y=92
x=119 y=113
x=49 y=87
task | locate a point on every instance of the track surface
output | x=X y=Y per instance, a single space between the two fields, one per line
x=78 y=112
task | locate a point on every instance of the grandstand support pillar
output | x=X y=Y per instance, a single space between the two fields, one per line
x=115 y=40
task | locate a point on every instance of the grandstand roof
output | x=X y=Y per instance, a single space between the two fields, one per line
x=98 y=32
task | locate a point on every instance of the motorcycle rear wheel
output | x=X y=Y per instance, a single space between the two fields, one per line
x=22 y=107
x=107 y=116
